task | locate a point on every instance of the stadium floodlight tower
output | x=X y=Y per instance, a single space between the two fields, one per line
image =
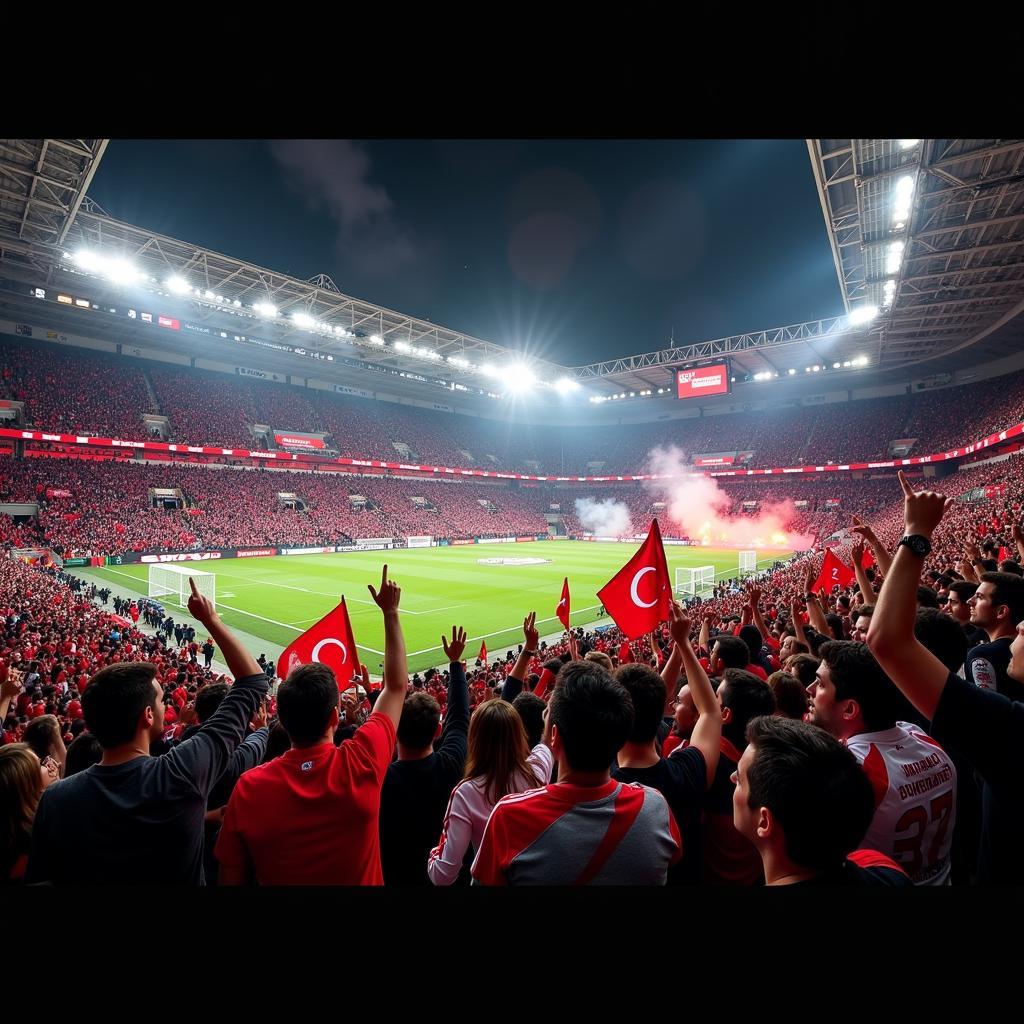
x=695 y=582
x=169 y=583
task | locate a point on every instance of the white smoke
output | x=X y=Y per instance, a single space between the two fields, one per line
x=701 y=509
x=604 y=518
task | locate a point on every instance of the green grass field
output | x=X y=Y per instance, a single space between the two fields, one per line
x=277 y=598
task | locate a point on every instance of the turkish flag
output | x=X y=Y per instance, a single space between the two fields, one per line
x=562 y=611
x=329 y=642
x=833 y=571
x=483 y=651
x=638 y=596
x=625 y=655
x=547 y=677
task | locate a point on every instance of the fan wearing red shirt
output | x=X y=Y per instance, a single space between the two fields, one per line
x=310 y=816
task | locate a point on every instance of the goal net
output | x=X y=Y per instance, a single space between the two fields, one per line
x=748 y=563
x=695 y=582
x=169 y=583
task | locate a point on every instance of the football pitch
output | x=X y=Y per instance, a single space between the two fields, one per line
x=278 y=598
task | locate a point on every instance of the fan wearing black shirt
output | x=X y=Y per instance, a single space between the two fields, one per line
x=417 y=786
x=984 y=725
x=684 y=777
x=136 y=818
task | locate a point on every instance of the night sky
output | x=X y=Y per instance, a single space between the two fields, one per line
x=572 y=250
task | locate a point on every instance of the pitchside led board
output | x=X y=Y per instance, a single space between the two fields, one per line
x=703 y=381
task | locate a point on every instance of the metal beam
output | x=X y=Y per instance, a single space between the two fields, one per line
x=82 y=189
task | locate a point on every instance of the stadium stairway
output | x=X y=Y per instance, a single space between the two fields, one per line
x=151 y=391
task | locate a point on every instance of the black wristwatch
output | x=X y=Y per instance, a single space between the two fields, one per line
x=921 y=546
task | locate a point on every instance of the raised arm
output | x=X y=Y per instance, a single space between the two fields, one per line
x=456 y=719
x=974 y=557
x=1018 y=540
x=754 y=597
x=396 y=667
x=966 y=569
x=798 y=626
x=239 y=661
x=882 y=556
x=862 y=577
x=517 y=677
x=910 y=665
x=670 y=673
x=205 y=756
x=814 y=610
x=707 y=733
x=704 y=637
x=10 y=687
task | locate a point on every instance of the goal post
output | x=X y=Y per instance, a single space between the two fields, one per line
x=748 y=563
x=170 y=583
x=695 y=581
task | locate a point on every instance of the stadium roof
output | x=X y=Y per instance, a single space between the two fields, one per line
x=42 y=185
x=946 y=274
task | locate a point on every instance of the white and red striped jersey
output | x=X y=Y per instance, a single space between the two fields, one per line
x=614 y=834
x=914 y=782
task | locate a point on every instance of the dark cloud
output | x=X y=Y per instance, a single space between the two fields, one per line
x=335 y=174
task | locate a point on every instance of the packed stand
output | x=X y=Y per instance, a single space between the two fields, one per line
x=753 y=738
x=75 y=391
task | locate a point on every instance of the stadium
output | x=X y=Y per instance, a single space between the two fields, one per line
x=172 y=417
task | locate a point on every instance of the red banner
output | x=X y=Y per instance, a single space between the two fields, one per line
x=57 y=492
x=1017 y=430
x=721 y=460
x=257 y=553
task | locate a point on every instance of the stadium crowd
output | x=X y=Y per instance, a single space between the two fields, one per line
x=108 y=507
x=785 y=729
x=68 y=390
x=65 y=389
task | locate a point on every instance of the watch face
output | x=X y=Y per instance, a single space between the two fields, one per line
x=918 y=545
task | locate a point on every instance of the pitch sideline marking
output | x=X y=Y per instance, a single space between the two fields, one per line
x=253 y=615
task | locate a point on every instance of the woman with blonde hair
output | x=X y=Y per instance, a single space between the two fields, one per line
x=22 y=781
x=499 y=762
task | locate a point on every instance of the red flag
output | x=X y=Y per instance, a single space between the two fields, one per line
x=547 y=677
x=833 y=571
x=483 y=651
x=562 y=611
x=637 y=597
x=867 y=559
x=329 y=642
x=1003 y=554
x=625 y=655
